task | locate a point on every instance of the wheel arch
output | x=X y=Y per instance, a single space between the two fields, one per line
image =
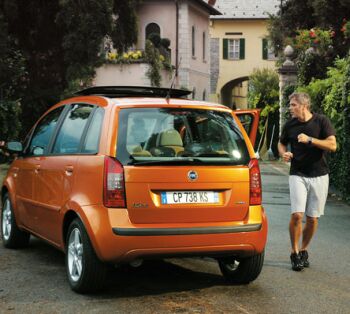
x=4 y=190
x=69 y=216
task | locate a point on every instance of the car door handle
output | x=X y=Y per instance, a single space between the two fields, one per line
x=37 y=169
x=69 y=170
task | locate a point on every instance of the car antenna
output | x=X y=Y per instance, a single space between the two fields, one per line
x=167 y=97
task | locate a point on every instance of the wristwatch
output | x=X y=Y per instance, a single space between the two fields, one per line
x=309 y=141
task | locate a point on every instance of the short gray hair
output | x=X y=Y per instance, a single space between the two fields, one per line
x=301 y=98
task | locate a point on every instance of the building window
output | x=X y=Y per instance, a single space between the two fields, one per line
x=152 y=28
x=193 y=41
x=204 y=46
x=234 y=49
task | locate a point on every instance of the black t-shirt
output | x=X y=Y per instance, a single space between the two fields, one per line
x=308 y=160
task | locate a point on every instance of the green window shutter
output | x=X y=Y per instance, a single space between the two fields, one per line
x=225 y=48
x=264 y=48
x=242 y=48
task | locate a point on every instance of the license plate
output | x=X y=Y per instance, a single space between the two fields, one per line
x=190 y=197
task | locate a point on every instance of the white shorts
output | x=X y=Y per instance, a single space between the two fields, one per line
x=308 y=195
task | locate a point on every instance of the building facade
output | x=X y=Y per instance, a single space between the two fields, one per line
x=238 y=46
x=186 y=24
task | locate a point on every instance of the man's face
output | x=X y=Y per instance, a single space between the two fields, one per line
x=296 y=109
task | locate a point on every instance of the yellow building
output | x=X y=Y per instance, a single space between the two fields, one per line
x=238 y=46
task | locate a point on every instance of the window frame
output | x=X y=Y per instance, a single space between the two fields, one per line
x=47 y=150
x=151 y=24
x=226 y=46
x=86 y=131
x=83 y=135
x=61 y=119
x=233 y=49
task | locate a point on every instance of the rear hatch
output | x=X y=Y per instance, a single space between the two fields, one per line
x=166 y=194
x=183 y=165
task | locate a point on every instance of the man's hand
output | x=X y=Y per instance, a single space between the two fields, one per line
x=303 y=138
x=287 y=156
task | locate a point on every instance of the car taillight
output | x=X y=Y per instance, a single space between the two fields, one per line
x=113 y=186
x=255 y=183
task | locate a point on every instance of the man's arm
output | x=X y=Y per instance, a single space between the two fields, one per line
x=328 y=144
x=282 y=150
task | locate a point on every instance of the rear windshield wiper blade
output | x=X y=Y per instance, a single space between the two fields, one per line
x=187 y=161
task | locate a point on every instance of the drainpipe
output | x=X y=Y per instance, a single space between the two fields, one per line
x=177 y=40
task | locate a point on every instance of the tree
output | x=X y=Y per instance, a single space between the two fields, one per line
x=12 y=79
x=263 y=92
x=60 y=44
x=300 y=14
x=124 y=33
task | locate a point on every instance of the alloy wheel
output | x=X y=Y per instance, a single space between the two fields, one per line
x=75 y=255
x=6 y=220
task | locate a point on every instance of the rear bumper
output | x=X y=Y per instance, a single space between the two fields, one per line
x=116 y=239
x=184 y=231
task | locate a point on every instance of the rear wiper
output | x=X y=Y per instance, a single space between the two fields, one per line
x=188 y=161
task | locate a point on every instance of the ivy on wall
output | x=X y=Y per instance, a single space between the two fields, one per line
x=331 y=96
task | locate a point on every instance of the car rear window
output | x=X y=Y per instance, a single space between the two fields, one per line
x=179 y=136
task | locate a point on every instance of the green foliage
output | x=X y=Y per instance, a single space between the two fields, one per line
x=84 y=25
x=155 y=39
x=152 y=57
x=298 y=15
x=9 y=120
x=326 y=94
x=263 y=91
x=315 y=37
x=332 y=97
x=311 y=65
x=343 y=135
x=165 y=42
x=51 y=48
x=12 y=83
x=124 y=32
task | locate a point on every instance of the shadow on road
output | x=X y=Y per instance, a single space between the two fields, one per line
x=153 y=277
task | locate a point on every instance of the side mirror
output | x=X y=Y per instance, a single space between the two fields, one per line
x=14 y=147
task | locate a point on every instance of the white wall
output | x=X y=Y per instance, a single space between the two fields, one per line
x=126 y=75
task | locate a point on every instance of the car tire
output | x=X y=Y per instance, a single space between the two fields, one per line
x=241 y=270
x=86 y=273
x=12 y=236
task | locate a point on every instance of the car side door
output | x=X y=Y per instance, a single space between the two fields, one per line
x=29 y=167
x=249 y=118
x=58 y=169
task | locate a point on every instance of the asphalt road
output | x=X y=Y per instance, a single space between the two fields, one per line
x=33 y=280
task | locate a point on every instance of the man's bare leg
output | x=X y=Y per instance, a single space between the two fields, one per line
x=310 y=229
x=295 y=230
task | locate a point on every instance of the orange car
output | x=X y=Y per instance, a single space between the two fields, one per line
x=121 y=174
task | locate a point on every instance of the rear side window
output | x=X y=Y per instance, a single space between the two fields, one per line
x=169 y=135
x=43 y=133
x=70 y=134
x=93 y=134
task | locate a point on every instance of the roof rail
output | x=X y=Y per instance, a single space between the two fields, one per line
x=133 y=91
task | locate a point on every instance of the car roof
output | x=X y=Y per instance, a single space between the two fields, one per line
x=164 y=102
x=132 y=96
